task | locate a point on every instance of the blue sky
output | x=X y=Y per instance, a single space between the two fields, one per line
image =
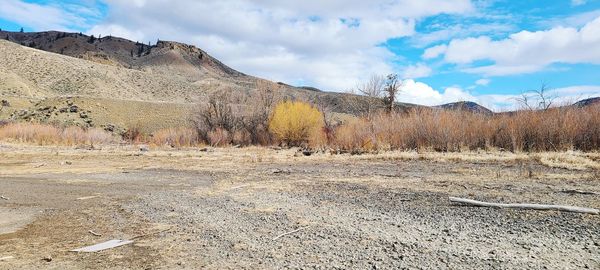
x=486 y=51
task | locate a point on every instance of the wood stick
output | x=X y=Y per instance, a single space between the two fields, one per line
x=564 y=208
x=290 y=232
x=575 y=191
x=94 y=233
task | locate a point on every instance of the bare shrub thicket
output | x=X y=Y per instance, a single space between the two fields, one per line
x=235 y=119
x=176 y=137
x=556 y=129
x=43 y=134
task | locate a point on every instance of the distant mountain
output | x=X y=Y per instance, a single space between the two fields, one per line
x=587 y=102
x=466 y=106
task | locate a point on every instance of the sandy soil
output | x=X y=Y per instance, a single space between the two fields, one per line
x=225 y=208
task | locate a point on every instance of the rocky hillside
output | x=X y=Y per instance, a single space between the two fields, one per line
x=42 y=65
x=169 y=58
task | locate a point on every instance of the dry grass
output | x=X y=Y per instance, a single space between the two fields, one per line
x=560 y=129
x=176 y=137
x=42 y=134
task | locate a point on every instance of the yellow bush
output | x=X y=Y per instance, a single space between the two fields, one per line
x=295 y=122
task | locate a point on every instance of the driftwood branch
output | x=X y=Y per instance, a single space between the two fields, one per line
x=290 y=232
x=575 y=209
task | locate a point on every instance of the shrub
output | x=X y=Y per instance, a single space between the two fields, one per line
x=134 y=134
x=295 y=122
x=43 y=134
x=176 y=137
x=555 y=129
x=232 y=117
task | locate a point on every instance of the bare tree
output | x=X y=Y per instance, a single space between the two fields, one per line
x=216 y=114
x=391 y=89
x=373 y=87
x=260 y=106
x=540 y=99
x=373 y=90
x=328 y=119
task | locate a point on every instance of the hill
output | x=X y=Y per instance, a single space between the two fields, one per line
x=466 y=106
x=587 y=102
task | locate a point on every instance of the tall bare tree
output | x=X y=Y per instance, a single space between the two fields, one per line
x=391 y=89
x=373 y=90
x=540 y=99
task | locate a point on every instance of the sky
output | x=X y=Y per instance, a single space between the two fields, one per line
x=486 y=51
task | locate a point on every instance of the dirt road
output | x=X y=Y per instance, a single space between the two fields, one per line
x=232 y=208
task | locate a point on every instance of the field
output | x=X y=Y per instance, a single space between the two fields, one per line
x=227 y=208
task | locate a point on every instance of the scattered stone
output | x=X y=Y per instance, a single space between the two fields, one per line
x=5 y=103
x=144 y=148
x=47 y=258
x=109 y=128
x=73 y=109
x=83 y=115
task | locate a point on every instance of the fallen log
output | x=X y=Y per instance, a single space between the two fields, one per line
x=530 y=206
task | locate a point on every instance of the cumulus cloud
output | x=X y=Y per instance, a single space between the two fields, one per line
x=525 y=51
x=419 y=70
x=421 y=93
x=330 y=44
x=435 y=51
x=415 y=92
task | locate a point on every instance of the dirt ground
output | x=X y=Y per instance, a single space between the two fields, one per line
x=231 y=208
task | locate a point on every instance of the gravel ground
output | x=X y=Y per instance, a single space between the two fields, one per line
x=232 y=210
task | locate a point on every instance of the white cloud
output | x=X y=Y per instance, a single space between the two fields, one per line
x=419 y=70
x=435 y=51
x=330 y=44
x=43 y=17
x=415 y=92
x=447 y=32
x=561 y=97
x=420 y=93
x=578 y=2
x=525 y=51
x=483 y=82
